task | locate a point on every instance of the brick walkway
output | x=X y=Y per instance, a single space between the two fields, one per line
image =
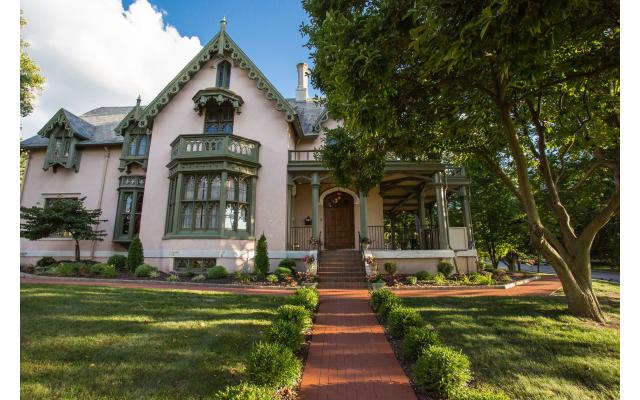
x=350 y=357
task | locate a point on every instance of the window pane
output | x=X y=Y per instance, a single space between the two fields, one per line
x=242 y=219
x=215 y=188
x=213 y=216
x=199 y=217
x=202 y=188
x=186 y=216
x=126 y=218
x=128 y=202
x=142 y=149
x=242 y=191
x=133 y=145
x=230 y=217
x=189 y=188
x=231 y=189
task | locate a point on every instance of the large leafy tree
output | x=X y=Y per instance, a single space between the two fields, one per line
x=62 y=215
x=31 y=79
x=530 y=88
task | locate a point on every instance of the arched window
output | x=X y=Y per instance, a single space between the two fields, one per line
x=133 y=146
x=190 y=188
x=242 y=218
x=215 y=188
x=219 y=119
x=231 y=189
x=142 y=147
x=202 y=188
x=242 y=191
x=224 y=74
x=230 y=217
x=199 y=217
x=213 y=216
x=187 y=215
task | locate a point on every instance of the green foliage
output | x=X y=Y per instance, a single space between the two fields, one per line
x=119 y=261
x=439 y=279
x=287 y=333
x=306 y=297
x=417 y=340
x=287 y=263
x=62 y=215
x=424 y=275
x=272 y=278
x=387 y=306
x=45 y=262
x=262 y=256
x=103 y=270
x=401 y=319
x=480 y=393
x=411 y=280
x=282 y=272
x=442 y=370
x=242 y=277
x=381 y=296
x=299 y=315
x=199 y=278
x=391 y=267
x=445 y=268
x=135 y=256
x=172 y=278
x=31 y=79
x=244 y=391
x=480 y=279
x=217 y=272
x=67 y=269
x=272 y=365
x=145 y=271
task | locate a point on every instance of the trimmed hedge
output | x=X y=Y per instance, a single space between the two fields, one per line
x=135 y=256
x=217 y=272
x=401 y=319
x=381 y=296
x=244 y=391
x=417 y=340
x=103 y=270
x=282 y=272
x=119 y=261
x=296 y=314
x=424 y=275
x=442 y=370
x=445 y=268
x=287 y=263
x=306 y=297
x=385 y=308
x=287 y=333
x=145 y=270
x=272 y=365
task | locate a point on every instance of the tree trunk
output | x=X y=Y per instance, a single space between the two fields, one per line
x=583 y=301
x=77 y=250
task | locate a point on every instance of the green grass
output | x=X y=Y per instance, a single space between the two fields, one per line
x=99 y=343
x=531 y=347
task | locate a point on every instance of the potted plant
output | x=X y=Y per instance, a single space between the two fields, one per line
x=376 y=282
x=372 y=263
x=366 y=242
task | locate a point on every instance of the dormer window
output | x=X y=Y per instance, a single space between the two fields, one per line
x=224 y=75
x=219 y=119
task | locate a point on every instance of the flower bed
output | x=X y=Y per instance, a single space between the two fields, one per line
x=427 y=280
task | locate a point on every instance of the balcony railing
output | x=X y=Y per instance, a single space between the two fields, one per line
x=304 y=155
x=195 y=146
x=300 y=238
x=399 y=237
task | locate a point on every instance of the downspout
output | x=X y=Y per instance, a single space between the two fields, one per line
x=26 y=173
x=107 y=155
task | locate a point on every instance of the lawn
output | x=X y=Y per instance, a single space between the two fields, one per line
x=98 y=342
x=530 y=346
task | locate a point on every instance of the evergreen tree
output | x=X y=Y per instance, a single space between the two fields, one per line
x=262 y=256
x=135 y=257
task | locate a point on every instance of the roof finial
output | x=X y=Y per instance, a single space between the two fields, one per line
x=138 y=100
x=223 y=24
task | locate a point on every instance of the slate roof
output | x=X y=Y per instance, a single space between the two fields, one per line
x=308 y=114
x=95 y=125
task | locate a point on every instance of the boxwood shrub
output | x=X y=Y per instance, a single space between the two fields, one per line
x=145 y=270
x=306 y=297
x=296 y=314
x=424 y=275
x=385 y=308
x=287 y=263
x=282 y=272
x=417 y=340
x=119 y=261
x=411 y=280
x=67 y=269
x=401 y=319
x=380 y=296
x=272 y=365
x=287 y=333
x=445 y=268
x=442 y=370
x=244 y=391
x=271 y=278
x=217 y=272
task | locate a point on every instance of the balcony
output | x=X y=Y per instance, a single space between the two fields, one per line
x=207 y=146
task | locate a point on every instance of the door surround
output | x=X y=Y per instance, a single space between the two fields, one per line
x=339 y=220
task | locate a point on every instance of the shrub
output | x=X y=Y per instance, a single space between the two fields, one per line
x=45 y=262
x=423 y=275
x=380 y=296
x=262 y=256
x=272 y=365
x=442 y=370
x=391 y=267
x=103 y=270
x=199 y=278
x=259 y=276
x=417 y=340
x=119 y=261
x=242 y=277
x=306 y=297
x=401 y=319
x=244 y=391
x=502 y=275
x=67 y=269
x=144 y=270
x=271 y=278
x=287 y=333
x=96 y=269
x=154 y=274
x=217 y=272
x=445 y=268
x=386 y=307
x=287 y=263
x=84 y=269
x=135 y=257
x=480 y=279
x=411 y=280
x=282 y=272
x=439 y=279
x=480 y=393
x=297 y=314
x=172 y=278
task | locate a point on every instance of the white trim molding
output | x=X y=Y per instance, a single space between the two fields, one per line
x=413 y=253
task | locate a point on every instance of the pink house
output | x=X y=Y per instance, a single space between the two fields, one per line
x=219 y=157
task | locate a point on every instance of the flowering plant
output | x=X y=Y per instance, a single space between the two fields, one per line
x=375 y=278
x=306 y=277
x=309 y=259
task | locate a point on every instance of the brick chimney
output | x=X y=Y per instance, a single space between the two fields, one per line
x=303 y=79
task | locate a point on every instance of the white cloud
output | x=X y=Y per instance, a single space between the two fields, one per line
x=95 y=53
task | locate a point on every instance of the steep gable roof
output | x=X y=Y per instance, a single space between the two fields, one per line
x=219 y=45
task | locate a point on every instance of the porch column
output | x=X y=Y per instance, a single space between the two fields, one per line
x=441 y=206
x=315 y=200
x=290 y=185
x=421 y=218
x=364 y=225
x=466 y=214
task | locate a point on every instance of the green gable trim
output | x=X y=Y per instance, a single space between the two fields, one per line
x=218 y=96
x=62 y=118
x=217 y=47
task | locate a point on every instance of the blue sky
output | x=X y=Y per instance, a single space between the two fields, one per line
x=268 y=31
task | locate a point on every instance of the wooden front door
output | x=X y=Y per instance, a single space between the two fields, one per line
x=338 y=221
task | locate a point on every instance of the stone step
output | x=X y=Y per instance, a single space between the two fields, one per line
x=325 y=274
x=340 y=269
x=340 y=259
x=342 y=279
x=343 y=285
x=340 y=264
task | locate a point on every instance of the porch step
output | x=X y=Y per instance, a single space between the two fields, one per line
x=341 y=269
x=342 y=285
